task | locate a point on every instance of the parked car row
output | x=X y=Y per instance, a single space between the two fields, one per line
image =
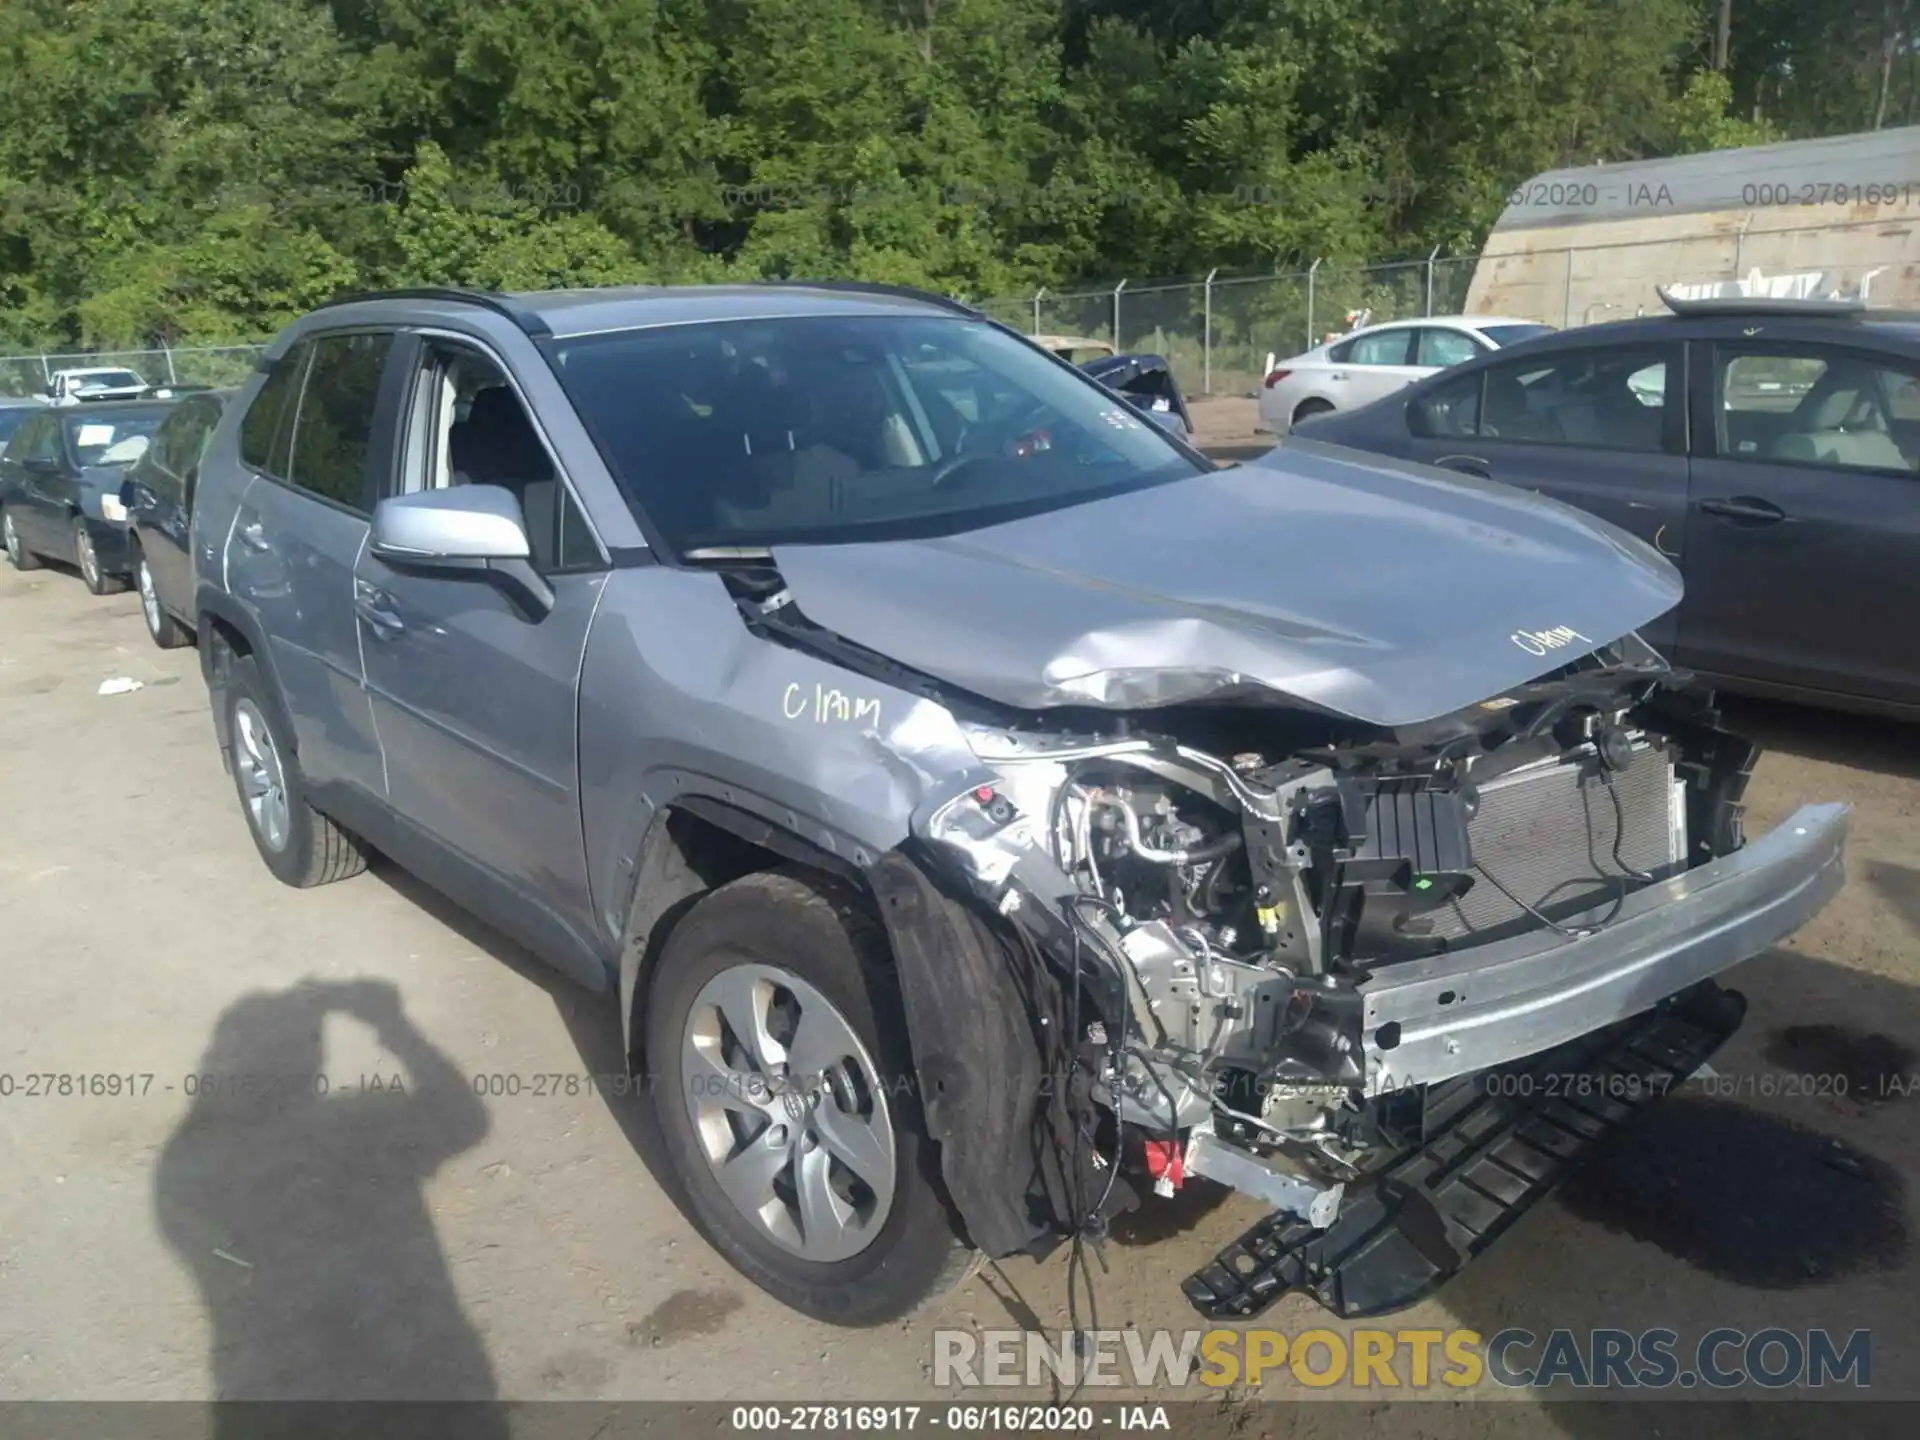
x=107 y=488
x=984 y=811
x=1769 y=448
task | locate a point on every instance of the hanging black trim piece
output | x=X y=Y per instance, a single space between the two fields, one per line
x=1488 y=1147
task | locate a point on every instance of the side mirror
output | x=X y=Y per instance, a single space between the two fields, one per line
x=467 y=531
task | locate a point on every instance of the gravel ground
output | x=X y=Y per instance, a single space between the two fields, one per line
x=403 y=1235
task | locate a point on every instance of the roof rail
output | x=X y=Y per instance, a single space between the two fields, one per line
x=875 y=287
x=1760 y=305
x=492 y=300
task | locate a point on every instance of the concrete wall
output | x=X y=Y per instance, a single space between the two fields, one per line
x=1577 y=246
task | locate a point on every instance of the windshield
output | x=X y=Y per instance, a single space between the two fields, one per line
x=829 y=428
x=102 y=439
x=1505 y=335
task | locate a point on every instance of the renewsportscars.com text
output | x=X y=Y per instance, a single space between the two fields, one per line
x=1605 y=1359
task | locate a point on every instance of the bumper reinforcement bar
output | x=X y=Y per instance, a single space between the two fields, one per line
x=1488 y=1147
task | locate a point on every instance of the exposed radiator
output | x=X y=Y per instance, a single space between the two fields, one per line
x=1547 y=834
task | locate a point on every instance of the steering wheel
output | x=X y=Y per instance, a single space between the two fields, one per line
x=945 y=470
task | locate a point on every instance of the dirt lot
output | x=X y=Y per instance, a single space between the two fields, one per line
x=202 y=1236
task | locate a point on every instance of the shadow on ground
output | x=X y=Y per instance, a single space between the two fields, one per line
x=298 y=1208
x=1777 y=1193
x=1858 y=742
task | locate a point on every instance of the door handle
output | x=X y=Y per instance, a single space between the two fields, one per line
x=375 y=606
x=1466 y=465
x=1748 y=508
x=254 y=536
x=1338 y=375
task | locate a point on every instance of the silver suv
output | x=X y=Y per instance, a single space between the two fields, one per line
x=986 y=812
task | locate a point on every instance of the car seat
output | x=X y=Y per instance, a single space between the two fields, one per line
x=496 y=445
x=781 y=476
x=1842 y=427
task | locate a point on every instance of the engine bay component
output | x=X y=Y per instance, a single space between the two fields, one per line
x=1207 y=1154
x=1282 y=950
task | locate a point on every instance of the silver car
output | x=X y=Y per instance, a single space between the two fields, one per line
x=985 y=813
x=1350 y=370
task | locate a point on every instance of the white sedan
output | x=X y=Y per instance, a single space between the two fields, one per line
x=1350 y=370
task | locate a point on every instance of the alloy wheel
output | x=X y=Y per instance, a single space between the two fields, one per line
x=263 y=781
x=89 y=561
x=149 y=600
x=788 y=1108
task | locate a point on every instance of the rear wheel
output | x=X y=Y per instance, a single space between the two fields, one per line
x=18 y=555
x=1307 y=409
x=786 y=1100
x=167 y=632
x=88 y=559
x=300 y=846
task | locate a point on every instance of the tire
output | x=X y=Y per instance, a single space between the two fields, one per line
x=302 y=847
x=98 y=582
x=1307 y=409
x=18 y=555
x=789 y=935
x=165 y=631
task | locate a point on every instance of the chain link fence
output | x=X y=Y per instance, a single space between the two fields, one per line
x=27 y=375
x=1220 y=330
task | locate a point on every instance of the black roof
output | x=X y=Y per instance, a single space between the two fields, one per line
x=1743 y=319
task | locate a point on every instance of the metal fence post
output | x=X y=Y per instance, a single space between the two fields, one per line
x=1312 y=270
x=1566 y=303
x=1206 y=332
x=1430 y=258
x=1116 y=313
x=1036 y=310
x=172 y=377
x=46 y=374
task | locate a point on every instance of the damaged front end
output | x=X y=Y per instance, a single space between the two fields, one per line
x=1318 y=960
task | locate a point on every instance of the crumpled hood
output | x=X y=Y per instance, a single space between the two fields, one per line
x=1388 y=592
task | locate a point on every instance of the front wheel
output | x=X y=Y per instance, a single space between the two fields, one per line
x=785 y=1098
x=18 y=555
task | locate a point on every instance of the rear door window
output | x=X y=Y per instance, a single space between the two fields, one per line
x=44 y=442
x=1815 y=405
x=1597 y=399
x=1447 y=410
x=1384 y=347
x=181 y=442
x=1440 y=347
x=333 y=424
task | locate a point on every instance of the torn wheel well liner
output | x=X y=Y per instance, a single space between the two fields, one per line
x=975 y=1024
